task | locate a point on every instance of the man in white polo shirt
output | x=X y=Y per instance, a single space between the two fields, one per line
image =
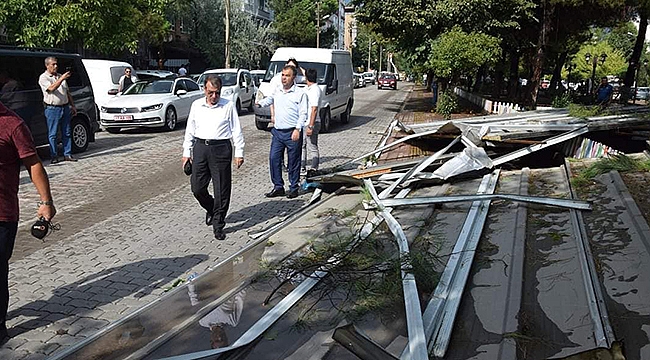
x=59 y=108
x=211 y=125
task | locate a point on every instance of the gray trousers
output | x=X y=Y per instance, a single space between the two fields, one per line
x=310 y=155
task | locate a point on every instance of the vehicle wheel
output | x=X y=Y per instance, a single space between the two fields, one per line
x=170 y=119
x=378 y=87
x=80 y=134
x=260 y=125
x=345 y=116
x=238 y=106
x=325 y=120
x=113 y=130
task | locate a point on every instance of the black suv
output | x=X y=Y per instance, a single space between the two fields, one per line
x=20 y=92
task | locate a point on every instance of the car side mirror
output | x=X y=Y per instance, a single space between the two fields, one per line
x=180 y=92
x=113 y=92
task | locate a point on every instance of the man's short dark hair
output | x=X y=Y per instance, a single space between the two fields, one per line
x=603 y=78
x=293 y=69
x=311 y=75
x=214 y=80
x=294 y=61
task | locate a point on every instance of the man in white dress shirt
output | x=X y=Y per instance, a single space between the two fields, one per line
x=211 y=125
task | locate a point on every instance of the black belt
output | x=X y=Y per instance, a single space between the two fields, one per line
x=64 y=105
x=286 y=130
x=212 y=142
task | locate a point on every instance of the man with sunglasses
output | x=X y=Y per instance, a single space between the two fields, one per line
x=212 y=124
x=126 y=80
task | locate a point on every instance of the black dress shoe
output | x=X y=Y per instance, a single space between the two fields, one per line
x=208 y=218
x=219 y=235
x=69 y=158
x=293 y=194
x=275 y=193
x=55 y=160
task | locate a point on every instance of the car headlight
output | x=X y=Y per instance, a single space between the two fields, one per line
x=227 y=92
x=259 y=95
x=151 y=108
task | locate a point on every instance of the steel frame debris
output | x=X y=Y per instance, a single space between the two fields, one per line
x=417 y=341
x=565 y=203
x=533 y=148
x=441 y=310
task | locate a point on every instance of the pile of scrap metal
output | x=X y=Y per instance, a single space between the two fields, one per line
x=539 y=130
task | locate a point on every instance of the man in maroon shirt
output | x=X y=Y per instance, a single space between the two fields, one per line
x=16 y=146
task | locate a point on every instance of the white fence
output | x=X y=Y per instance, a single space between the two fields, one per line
x=492 y=107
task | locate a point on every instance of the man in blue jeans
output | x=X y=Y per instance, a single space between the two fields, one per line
x=16 y=148
x=59 y=108
x=291 y=105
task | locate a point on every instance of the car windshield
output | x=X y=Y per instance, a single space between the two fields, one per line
x=227 y=79
x=388 y=77
x=151 y=87
x=276 y=67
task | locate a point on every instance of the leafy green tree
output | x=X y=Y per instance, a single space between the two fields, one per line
x=107 y=26
x=456 y=53
x=615 y=63
x=295 y=22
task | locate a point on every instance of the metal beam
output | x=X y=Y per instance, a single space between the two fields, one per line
x=415 y=328
x=452 y=281
x=603 y=333
x=566 y=203
x=533 y=148
x=470 y=235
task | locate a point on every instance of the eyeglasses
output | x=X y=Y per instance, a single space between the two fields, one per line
x=128 y=71
x=54 y=64
x=213 y=93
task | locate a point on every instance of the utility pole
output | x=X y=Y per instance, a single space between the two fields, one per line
x=227 y=33
x=381 y=54
x=369 y=44
x=318 y=24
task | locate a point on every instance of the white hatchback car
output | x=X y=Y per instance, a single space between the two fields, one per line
x=236 y=85
x=158 y=103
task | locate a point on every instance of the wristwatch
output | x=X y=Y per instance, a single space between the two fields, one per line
x=310 y=127
x=39 y=203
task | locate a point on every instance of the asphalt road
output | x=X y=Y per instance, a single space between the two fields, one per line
x=130 y=225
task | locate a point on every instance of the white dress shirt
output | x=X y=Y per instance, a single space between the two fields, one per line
x=314 y=94
x=290 y=108
x=218 y=122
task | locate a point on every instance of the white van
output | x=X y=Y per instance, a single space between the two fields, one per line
x=334 y=71
x=105 y=77
x=236 y=85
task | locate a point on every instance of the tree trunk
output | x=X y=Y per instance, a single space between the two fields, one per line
x=557 y=73
x=538 y=59
x=513 y=78
x=628 y=82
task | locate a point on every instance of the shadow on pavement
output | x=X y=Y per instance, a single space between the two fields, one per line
x=259 y=213
x=84 y=296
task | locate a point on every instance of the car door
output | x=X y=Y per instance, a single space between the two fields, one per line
x=181 y=102
x=250 y=87
x=193 y=90
x=244 y=93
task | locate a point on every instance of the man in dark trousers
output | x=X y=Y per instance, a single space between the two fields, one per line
x=16 y=147
x=211 y=125
x=290 y=117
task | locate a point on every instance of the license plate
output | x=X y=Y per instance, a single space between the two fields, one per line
x=123 y=117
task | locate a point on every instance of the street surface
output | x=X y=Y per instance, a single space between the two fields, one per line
x=130 y=225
